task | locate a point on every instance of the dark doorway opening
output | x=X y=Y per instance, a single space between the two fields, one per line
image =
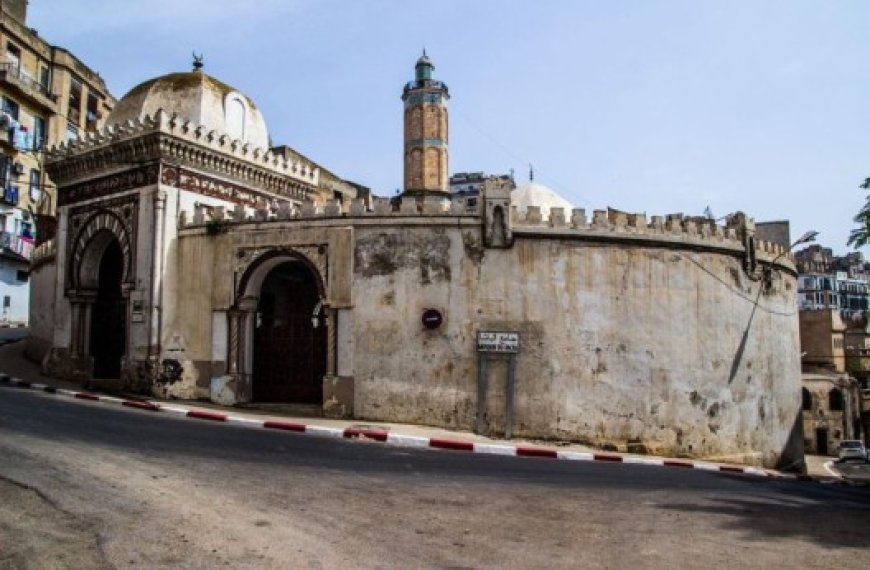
x=289 y=337
x=822 y=441
x=108 y=337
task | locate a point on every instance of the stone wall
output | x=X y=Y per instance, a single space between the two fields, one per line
x=650 y=334
x=620 y=344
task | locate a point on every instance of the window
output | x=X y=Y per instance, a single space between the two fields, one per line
x=39 y=132
x=92 y=114
x=21 y=276
x=44 y=78
x=72 y=133
x=25 y=229
x=13 y=54
x=835 y=400
x=74 y=103
x=10 y=107
x=35 y=190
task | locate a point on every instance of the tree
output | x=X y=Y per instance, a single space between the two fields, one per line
x=860 y=236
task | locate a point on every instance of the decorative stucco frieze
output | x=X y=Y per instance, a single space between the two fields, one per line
x=210 y=186
x=107 y=185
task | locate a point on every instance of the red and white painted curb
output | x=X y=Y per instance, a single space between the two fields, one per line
x=405 y=440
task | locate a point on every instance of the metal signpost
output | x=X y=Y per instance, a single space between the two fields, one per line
x=497 y=343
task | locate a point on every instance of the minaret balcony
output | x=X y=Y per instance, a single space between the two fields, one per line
x=425 y=84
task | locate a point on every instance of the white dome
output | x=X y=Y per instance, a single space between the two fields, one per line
x=534 y=194
x=199 y=98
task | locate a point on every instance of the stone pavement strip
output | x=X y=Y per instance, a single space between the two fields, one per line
x=20 y=374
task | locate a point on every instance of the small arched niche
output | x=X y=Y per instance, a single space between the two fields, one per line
x=236 y=115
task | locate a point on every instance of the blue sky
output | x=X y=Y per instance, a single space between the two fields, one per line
x=656 y=107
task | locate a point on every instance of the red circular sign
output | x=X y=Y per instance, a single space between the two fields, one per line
x=432 y=318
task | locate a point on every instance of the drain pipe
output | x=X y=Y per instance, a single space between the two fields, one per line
x=157 y=276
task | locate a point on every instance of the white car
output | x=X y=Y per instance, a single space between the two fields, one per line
x=852 y=449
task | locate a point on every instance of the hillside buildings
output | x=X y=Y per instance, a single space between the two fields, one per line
x=835 y=344
x=47 y=96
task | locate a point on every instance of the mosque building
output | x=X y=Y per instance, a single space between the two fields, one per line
x=193 y=261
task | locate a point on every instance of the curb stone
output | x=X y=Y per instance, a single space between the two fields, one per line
x=399 y=440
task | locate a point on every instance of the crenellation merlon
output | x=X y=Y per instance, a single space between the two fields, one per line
x=578 y=218
x=557 y=217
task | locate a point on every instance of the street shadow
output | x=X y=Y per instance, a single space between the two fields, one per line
x=830 y=515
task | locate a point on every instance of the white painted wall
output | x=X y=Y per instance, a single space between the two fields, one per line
x=16 y=290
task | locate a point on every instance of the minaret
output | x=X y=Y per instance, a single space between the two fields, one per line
x=425 y=132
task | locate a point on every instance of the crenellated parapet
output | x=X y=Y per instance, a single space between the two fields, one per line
x=434 y=207
x=737 y=233
x=673 y=230
x=183 y=140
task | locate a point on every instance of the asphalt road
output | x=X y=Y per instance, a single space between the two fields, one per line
x=128 y=488
x=853 y=470
x=8 y=335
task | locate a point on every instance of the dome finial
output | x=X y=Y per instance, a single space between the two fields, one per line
x=197 y=61
x=531 y=173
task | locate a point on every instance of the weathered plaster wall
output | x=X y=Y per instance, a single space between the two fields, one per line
x=619 y=343
x=649 y=342
x=187 y=332
x=189 y=272
x=41 y=326
x=201 y=278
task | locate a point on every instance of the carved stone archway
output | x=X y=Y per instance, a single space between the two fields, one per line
x=242 y=316
x=87 y=248
x=94 y=232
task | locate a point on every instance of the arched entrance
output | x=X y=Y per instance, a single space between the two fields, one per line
x=107 y=340
x=289 y=337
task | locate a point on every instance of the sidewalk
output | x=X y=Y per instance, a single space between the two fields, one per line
x=13 y=363
x=816 y=465
x=15 y=369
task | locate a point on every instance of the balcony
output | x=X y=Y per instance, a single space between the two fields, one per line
x=19 y=245
x=13 y=75
x=424 y=84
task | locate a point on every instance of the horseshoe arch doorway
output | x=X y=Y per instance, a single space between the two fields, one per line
x=107 y=340
x=290 y=337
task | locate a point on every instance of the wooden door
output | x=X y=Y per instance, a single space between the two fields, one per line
x=289 y=338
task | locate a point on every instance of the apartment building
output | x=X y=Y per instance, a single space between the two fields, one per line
x=47 y=95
